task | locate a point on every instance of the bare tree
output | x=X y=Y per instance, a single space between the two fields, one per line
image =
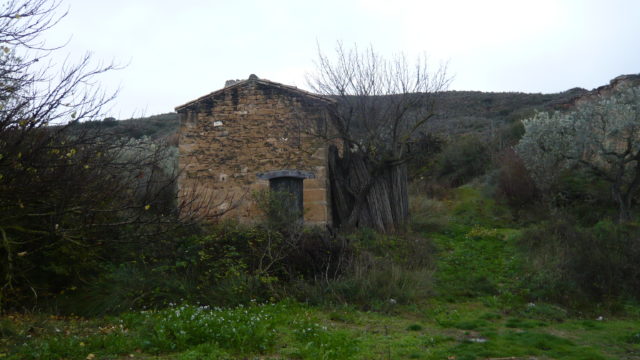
x=72 y=197
x=381 y=104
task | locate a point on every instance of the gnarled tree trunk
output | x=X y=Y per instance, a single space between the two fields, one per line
x=364 y=194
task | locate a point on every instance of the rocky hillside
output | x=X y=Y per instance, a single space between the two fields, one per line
x=458 y=112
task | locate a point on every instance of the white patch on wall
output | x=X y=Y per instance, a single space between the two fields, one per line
x=217 y=123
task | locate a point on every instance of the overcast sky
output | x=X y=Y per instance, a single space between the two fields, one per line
x=176 y=51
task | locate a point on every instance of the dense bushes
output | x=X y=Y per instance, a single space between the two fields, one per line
x=72 y=197
x=514 y=183
x=80 y=201
x=234 y=264
x=231 y=263
x=573 y=265
x=383 y=270
x=462 y=160
x=227 y=264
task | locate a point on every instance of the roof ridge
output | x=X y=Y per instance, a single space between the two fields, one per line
x=256 y=80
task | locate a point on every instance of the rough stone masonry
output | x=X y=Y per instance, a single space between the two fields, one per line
x=245 y=137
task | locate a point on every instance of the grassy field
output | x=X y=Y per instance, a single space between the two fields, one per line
x=436 y=330
x=478 y=311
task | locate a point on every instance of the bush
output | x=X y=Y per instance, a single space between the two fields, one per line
x=586 y=197
x=462 y=161
x=422 y=151
x=568 y=263
x=514 y=183
x=383 y=271
x=232 y=264
x=279 y=212
x=86 y=200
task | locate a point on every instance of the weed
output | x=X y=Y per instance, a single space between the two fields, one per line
x=524 y=324
x=206 y=351
x=544 y=311
x=491 y=316
x=318 y=342
x=634 y=338
x=428 y=215
x=347 y=316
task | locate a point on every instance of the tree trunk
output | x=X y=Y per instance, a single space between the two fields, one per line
x=363 y=196
x=624 y=203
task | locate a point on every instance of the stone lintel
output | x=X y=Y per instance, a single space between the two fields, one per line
x=300 y=174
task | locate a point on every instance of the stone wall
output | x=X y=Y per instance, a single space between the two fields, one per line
x=620 y=82
x=252 y=127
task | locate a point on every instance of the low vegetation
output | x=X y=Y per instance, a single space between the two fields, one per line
x=488 y=268
x=473 y=283
x=100 y=262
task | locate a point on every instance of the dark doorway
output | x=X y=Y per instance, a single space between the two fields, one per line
x=287 y=187
x=290 y=191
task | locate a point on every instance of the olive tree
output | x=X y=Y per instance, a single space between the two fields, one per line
x=601 y=136
x=380 y=104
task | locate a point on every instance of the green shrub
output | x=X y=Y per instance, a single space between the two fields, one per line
x=514 y=183
x=381 y=271
x=233 y=264
x=422 y=151
x=509 y=134
x=279 y=212
x=205 y=269
x=382 y=283
x=462 y=161
x=571 y=264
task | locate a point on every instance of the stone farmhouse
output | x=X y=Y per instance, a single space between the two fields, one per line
x=255 y=135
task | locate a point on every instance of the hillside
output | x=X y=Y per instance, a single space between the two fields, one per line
x=159 y=126
x=488 y=267
x=480 y=112
x=457 y=112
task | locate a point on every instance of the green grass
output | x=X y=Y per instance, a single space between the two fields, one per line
x=479 y=311
x=434 y=330
x=477 y=252
x=184 y=331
